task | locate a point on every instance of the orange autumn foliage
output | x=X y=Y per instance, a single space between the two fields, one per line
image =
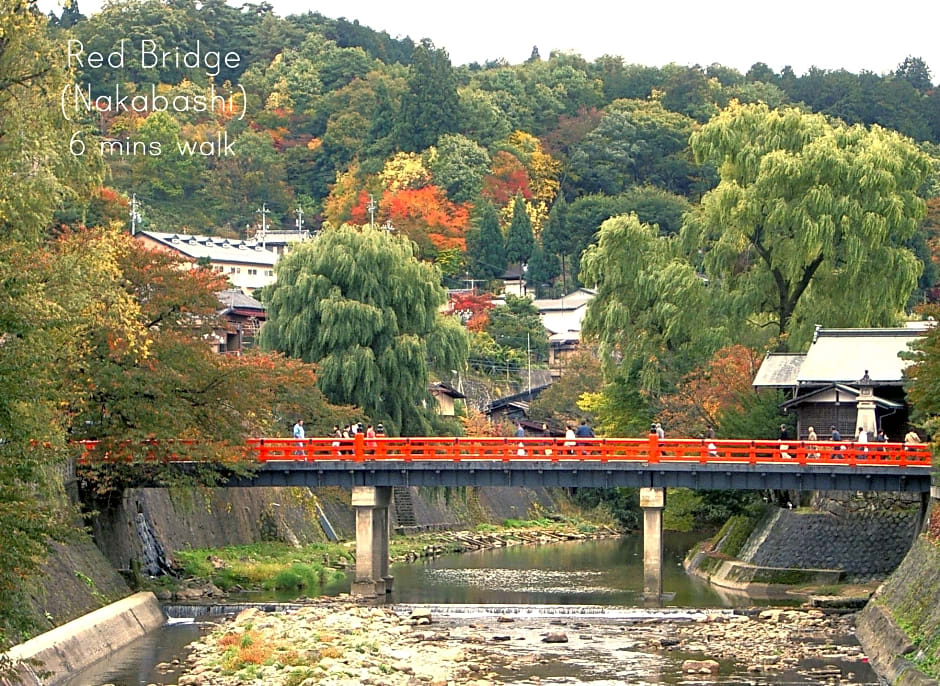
x=715 y=387
x=427 y=217
x=507 y=177
x=473 y=308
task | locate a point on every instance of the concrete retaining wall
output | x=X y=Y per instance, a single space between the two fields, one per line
x=73 y=646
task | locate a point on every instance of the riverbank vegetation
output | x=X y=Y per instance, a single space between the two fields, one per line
x=282 y=567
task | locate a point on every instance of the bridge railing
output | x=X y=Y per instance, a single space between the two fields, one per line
x=650 y=450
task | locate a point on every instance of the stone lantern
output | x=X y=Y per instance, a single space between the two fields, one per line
x=866 y=406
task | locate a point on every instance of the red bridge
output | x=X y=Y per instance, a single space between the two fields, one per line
x=647 y=450
x=371 y=467
x=583 y=462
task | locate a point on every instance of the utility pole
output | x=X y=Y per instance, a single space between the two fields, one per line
x=300 y=220
x=264 y=221
x=371 y=208
x=135 y=214
x=528 y=359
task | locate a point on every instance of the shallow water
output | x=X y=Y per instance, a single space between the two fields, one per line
x=592 y=581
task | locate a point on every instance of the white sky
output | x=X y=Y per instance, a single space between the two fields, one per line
x=735 y=33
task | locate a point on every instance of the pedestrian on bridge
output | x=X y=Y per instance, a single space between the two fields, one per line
x=584 y=431
x=299 y=433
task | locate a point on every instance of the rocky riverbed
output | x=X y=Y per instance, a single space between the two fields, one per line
x=336 y=642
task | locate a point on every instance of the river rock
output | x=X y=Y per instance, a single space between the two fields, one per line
x=421 y=615
x=700 y=667
x=555 y=637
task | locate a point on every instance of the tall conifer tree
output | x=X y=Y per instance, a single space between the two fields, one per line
x=485 y=246
x=430 y=107
x=519 y=241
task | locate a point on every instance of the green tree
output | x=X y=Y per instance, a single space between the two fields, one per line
x=47 y=299
x=458 y=165
x=543 y=267
x=365 y=310
x=517 y=325
x=486 y=250
x=809 y=222
x=519 y=240
x=429 y=108
x=923 y=379
x=916 y=72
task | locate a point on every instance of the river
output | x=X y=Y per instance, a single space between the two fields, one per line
x=579 y=575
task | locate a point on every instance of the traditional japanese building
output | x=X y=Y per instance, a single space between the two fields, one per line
x=847 y=378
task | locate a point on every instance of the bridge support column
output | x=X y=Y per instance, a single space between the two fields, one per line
x=371 y=506
x=652 y=502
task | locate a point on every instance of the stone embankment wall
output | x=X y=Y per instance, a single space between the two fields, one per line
x=865 y=545
x=850 y=537
x=900 y=627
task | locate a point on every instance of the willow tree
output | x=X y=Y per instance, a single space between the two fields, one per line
x=810 y=221
x=366 y=311
x=652 y=317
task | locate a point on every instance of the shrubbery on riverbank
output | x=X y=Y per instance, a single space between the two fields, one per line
x=280 y=566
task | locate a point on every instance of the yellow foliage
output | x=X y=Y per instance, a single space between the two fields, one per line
x=343 y=196
x=538 y=213
x=590 y=402
x=405 y=171
x=543 y=169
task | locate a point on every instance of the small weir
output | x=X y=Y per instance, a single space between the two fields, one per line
x=588 y=612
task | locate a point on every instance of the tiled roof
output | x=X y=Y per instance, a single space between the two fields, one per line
x=236 y=299
x=779 y=370
x=844 y=355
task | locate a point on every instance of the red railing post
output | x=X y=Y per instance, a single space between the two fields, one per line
x=653 y=451
x=359 y=447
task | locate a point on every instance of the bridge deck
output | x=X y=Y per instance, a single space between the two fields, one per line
x=595 y=462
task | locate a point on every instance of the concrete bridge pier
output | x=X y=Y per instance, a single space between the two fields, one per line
x=372 y=527
x=652 y=502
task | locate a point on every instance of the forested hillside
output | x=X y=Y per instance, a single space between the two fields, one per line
x=337 y=113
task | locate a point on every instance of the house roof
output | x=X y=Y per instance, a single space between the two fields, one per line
x=572 y=301
x=234 y=299
x=850 y=394
x=215 y=248
x=514 y=272
x=445 y=389
x=516 y=399
x=844 y=355
x=779 y=370
x=564 y=337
